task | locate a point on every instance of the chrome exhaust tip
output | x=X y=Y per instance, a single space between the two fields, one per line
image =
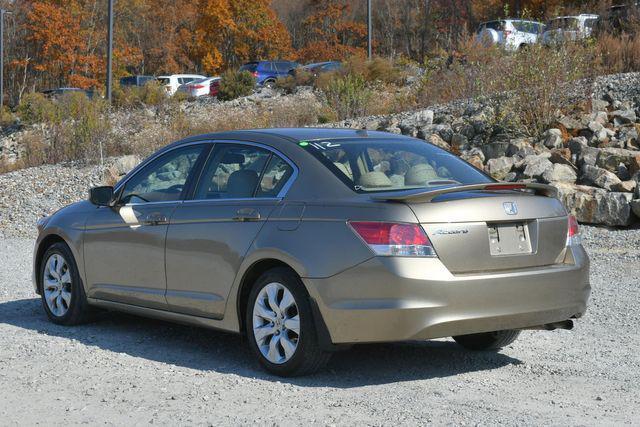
x=565 y=324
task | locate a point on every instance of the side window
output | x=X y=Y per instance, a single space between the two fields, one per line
x=275 y=176
x=163 y=179
x=233 y=172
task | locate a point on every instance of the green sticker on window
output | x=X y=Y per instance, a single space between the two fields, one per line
x=303 y=143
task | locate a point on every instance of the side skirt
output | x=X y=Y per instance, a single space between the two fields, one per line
x=163 y=315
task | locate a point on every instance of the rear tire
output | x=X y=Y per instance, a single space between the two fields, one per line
x=61 y=289
x=279 y=313
x=487 y=340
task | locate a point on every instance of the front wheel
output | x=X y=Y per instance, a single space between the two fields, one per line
x=280 y=325
x=488 y=340
x=61 y=289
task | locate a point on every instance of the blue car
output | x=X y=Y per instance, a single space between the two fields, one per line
x=267 y=72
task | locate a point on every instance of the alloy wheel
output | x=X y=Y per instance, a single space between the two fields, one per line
x=56 y=285
x=276 y=323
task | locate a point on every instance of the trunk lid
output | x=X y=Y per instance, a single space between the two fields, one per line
x=491 y=227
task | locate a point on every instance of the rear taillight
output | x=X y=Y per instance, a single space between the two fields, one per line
x=573 y=234
x=393 y=239
x=255 y=74
x=506 y=33
x=196 y=86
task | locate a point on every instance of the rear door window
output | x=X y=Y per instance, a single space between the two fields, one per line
x=250 y=67
x=232 y=172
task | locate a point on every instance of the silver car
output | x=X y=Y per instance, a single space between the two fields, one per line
x=311 y=240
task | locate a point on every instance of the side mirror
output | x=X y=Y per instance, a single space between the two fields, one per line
x=101 y=196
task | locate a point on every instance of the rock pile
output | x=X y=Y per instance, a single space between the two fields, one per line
x=593 y=159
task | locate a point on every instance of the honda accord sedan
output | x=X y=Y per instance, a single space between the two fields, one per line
x=311 y=240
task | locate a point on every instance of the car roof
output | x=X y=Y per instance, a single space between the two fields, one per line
x=284 y=137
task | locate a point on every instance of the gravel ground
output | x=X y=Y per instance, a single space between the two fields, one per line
x=123 y=369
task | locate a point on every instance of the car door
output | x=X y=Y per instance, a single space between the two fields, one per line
x=211 y=232
x=124 y=245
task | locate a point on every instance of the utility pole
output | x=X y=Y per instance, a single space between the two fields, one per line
x=109 y=50
x=2 y=13
x=369 y=26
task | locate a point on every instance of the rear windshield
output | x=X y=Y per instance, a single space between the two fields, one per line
x=250 y=67
x=494 y=25
x=392 y=165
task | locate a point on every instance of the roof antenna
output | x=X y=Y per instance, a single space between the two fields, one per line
x=362 y=132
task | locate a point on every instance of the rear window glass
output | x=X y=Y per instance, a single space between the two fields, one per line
x=251 y=67
x=495 y=25
x=392 y=165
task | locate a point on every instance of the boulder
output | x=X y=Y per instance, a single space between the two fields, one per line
x=437 y=141
x=623 y=117
x=521 y=147
x=588 y=156
x=500 y=167
x=474 y=152
x=610 y=158
x=570 y=124
x=120 y=167
x=459 y=142
x=536 y=166
x=596 y=206
x=625 y=186
x=560 y=173
x=635 y=207
x=493 y=150
x=592 y=175
x=423 y=118
x=576 y=144
x=552 y=138
x=634 y=165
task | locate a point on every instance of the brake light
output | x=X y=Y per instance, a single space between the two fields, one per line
x=573 y=233
x=507 y=33
x=394 y=239
x=255 y=74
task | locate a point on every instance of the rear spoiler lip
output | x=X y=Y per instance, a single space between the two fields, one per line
x=428 y=195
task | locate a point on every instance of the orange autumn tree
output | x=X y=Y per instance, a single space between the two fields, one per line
x=331 y=33
x=62 y=50
x=231 y=32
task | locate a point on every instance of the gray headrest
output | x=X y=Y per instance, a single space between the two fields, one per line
x=242 y=183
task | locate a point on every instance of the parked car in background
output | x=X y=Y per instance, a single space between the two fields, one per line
x=136 y=80
x=322 y=67
x=569 y=28
x=172 y=83
x=55 y=93
x=199 y=87
x=267 y=72
x=510 y=34
x=214 y=88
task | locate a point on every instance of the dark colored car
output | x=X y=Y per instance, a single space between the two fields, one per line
x=323 y=67
x=136 y=80
x=55 y=93
x=267 y=72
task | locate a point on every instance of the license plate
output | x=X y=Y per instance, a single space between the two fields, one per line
x=509 y=239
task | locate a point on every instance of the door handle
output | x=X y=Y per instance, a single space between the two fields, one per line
x=155 y=218
x=246 y=214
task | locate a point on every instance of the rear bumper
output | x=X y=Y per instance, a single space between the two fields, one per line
x=399 y=299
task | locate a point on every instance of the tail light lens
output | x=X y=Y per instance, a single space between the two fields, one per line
x=393 y=239
x=506 y=33
x=255 y=74
x=573 y=234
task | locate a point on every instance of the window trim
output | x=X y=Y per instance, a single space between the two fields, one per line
x=272 y=151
